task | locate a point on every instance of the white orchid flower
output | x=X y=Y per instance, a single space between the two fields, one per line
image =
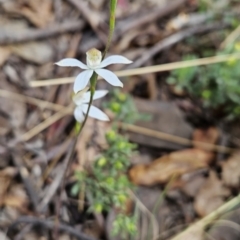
x=82 y=99
x=94 y=64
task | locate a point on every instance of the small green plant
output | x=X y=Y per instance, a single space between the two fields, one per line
x=122 y=105
x=217 y=85
x=107 y=183
x=127 y=223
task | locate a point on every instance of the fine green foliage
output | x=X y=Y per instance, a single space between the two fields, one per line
x=126 y=223
x=217 y=85
x=107 y=184
x=122 y=105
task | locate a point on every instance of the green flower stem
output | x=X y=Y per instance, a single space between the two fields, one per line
x=93 y=82
x=113 y=5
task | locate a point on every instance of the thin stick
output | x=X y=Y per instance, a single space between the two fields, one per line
x=231 y=38
x=23 y=98
x=43 y=125
x=50 y=225
x=146 y=70
x=202 y=224
x=144 y=209
x=37 y=34
x=133 y=128
x=175 y=139
x=32 y=192
x=56 y=183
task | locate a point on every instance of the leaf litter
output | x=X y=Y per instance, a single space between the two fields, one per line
x=178 y=185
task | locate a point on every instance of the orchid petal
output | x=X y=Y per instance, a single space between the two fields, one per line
x=82 y=80
x=110 y=77
x=79 y=96
x=71 y=62
x=98 y=94
x=113 y=60
x=95 y=113
x=78 y=114
x=78 y=99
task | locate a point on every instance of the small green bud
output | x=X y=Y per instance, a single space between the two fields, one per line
x=122 y=97
x=98 y=207
x=237 y=46
x=231 y=61
x=110 y=181
x=131 y=227
x=101 y=161
x=122 y=198
x=206 y=94
x=111 y=135
x=121 y=145
x=118 y=165
x=77 y=127
x=115 y=107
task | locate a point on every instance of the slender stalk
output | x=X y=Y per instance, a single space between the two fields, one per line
x=93 y=82
x=198 y=227
x=113 y=5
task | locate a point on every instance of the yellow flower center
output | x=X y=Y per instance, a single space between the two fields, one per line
x=94 y=58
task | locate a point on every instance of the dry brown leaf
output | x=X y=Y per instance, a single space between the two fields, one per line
x=231 y=170
x=6 y=176
x=209 y=135
x=165 y=117
x=210 y=196
x=36 y=52
x=14 y=201
x=11 y=194
x=4 y=126
x=92 y=229
x=14 y=196
x=192 y=182
x=5 y=53
x=30 y=9
x=178 y=22
x=172 y=165
x=64 y=236
x=7 y=215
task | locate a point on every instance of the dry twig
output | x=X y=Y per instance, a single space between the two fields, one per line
x=17 y=159
x=56 y=183
x=37 y=34
x=151 y=16
x=175 y=38
x=146 y=70
x=50 y=225
x=231 y=38
x=149 y=132
x=199 y=227
x=23 y=98
x=175 y=139
x=87 y=13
